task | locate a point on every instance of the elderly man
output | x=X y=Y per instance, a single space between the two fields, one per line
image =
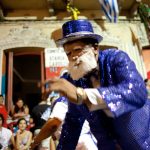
x=103 y=87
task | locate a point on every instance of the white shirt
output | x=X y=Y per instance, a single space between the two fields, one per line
x=59 y=111
x=5 y=136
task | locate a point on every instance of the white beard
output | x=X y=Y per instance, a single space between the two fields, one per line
x=86 y=63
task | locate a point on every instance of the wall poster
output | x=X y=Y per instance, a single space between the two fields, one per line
x=55 y=62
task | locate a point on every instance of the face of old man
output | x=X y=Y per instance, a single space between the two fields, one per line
x=82 y=58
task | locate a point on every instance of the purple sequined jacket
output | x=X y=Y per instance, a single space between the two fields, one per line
x=123 y=90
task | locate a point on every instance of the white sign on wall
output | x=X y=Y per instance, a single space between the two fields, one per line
x=55 y=62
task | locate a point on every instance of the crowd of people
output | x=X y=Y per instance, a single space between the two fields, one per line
x=20 y=140
x=14 y=126
x=103 y=102
x=18 y=128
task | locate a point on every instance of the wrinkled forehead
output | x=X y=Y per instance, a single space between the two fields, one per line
x=74 y=45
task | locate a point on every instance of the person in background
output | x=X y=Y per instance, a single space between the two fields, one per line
x=54 y=124
x=103 y=87
x=31 y=125
x=6 y=136
x=23 y=137
x=20 y=110
x=3 y=110
x=147 y=83
x=36 y=114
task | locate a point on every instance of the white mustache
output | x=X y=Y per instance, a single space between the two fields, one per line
x=78 y=62
x=81 y=65
x=80 y=59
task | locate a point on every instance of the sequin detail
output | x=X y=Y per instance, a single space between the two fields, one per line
x=124 y=92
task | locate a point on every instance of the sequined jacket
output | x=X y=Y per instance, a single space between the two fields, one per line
x=123 y=90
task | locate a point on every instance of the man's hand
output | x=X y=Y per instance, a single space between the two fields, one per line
x=62 y=86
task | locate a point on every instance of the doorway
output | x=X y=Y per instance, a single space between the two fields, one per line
x=24 y=69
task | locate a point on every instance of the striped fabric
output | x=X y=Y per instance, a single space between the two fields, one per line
x=110 y=8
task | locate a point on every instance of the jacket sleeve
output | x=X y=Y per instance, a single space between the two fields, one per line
x=127 y=92
x=71 y=128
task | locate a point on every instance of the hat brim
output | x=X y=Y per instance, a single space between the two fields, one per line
x=74 y=37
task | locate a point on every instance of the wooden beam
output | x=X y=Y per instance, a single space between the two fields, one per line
x=9 y=102
x=133 y=9
x=51 y=7
x=1 y=13
x=42 y=71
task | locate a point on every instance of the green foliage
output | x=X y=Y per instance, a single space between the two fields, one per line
x=144 y=13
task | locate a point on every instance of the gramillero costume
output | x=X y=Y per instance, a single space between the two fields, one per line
x=123 y=90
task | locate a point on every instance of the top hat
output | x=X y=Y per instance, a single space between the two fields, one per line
x=77 y=29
